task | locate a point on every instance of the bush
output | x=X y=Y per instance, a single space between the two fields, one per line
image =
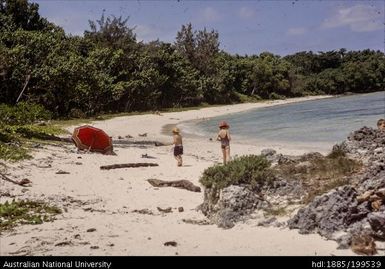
x=250 y=169
x=276 y=96
x=22 y=113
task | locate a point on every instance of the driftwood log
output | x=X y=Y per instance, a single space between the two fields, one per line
x=22 y=182
x=140 y=142
x=181 y=184
x=127 y=165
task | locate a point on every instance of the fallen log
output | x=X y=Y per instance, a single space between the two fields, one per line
x=127 y=165
x=140 y=142
x=181 y=184
x=22 y=182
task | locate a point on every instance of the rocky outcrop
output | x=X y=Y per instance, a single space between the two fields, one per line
x=358 y=209
x=230 y=204
x=352 y=214
x=328 y=213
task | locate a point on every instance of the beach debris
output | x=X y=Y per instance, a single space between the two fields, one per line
x=127 y=165
x=171 y=243
x=94 y=247
x=128 y=136
x=143 y=135
x=159 y=144
x=181 y=184
x=90 y=230
x=120 y=137
x=144 y=211
x=77 y=236
x=78 y=163
x=180 y=209
x=196 y=222
x=64 y=243
x=44 y=166
x=148 y=156
x=22 y=182
x=24 y=251
x=7 y=193
x=62 y=172
x=37 y=146
x=164 y=210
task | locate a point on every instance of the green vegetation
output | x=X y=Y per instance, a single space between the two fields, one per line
x=320 y=174
x=250 y=169
x=25 y=212
x=109 y=71
x=18 y=123
x=280 y=211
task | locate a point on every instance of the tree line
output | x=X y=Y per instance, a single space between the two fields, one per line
x=109 y=70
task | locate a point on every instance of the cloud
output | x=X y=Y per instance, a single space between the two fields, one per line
x=358 y=18
x=296 y=31
x=246 y=13
x=209 y=14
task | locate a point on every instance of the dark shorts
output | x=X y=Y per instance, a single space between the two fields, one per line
x=178 y=150
x=225 y=146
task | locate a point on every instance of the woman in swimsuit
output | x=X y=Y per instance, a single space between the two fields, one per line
x=224 y=137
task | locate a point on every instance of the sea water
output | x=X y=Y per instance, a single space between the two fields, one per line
x=324 y=121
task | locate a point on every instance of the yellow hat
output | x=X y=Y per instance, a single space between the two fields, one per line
x=175 y=130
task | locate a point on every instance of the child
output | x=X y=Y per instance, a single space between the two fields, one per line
x=381 y=124
x=178 y=148
x=224 y=137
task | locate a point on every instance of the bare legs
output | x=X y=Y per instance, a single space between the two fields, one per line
x=226 y=154
x=179 y=159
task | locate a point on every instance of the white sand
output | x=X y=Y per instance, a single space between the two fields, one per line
x=105 y=199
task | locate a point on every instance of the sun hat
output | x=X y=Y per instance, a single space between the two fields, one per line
x=175 y=130
x=223 y=124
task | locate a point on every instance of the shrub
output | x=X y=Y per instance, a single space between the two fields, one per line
x=22 y=113
x=250 y=169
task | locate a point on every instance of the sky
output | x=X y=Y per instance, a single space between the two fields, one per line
x=244 y=26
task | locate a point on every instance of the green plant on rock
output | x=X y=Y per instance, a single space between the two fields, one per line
x=250 y=169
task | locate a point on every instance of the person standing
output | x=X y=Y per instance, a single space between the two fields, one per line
x=178 y=146
x=224 y=137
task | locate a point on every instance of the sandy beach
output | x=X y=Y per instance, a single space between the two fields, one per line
x=104 y=200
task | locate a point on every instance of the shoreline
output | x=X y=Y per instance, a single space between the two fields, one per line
x=238 y=108
x=100 y=207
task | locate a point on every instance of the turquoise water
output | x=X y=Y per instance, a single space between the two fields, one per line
x=321 y=121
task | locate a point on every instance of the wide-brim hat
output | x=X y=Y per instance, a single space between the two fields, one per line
x=223 y=124
x=176 y=130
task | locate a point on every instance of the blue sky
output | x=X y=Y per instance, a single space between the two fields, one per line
x=245 y=27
